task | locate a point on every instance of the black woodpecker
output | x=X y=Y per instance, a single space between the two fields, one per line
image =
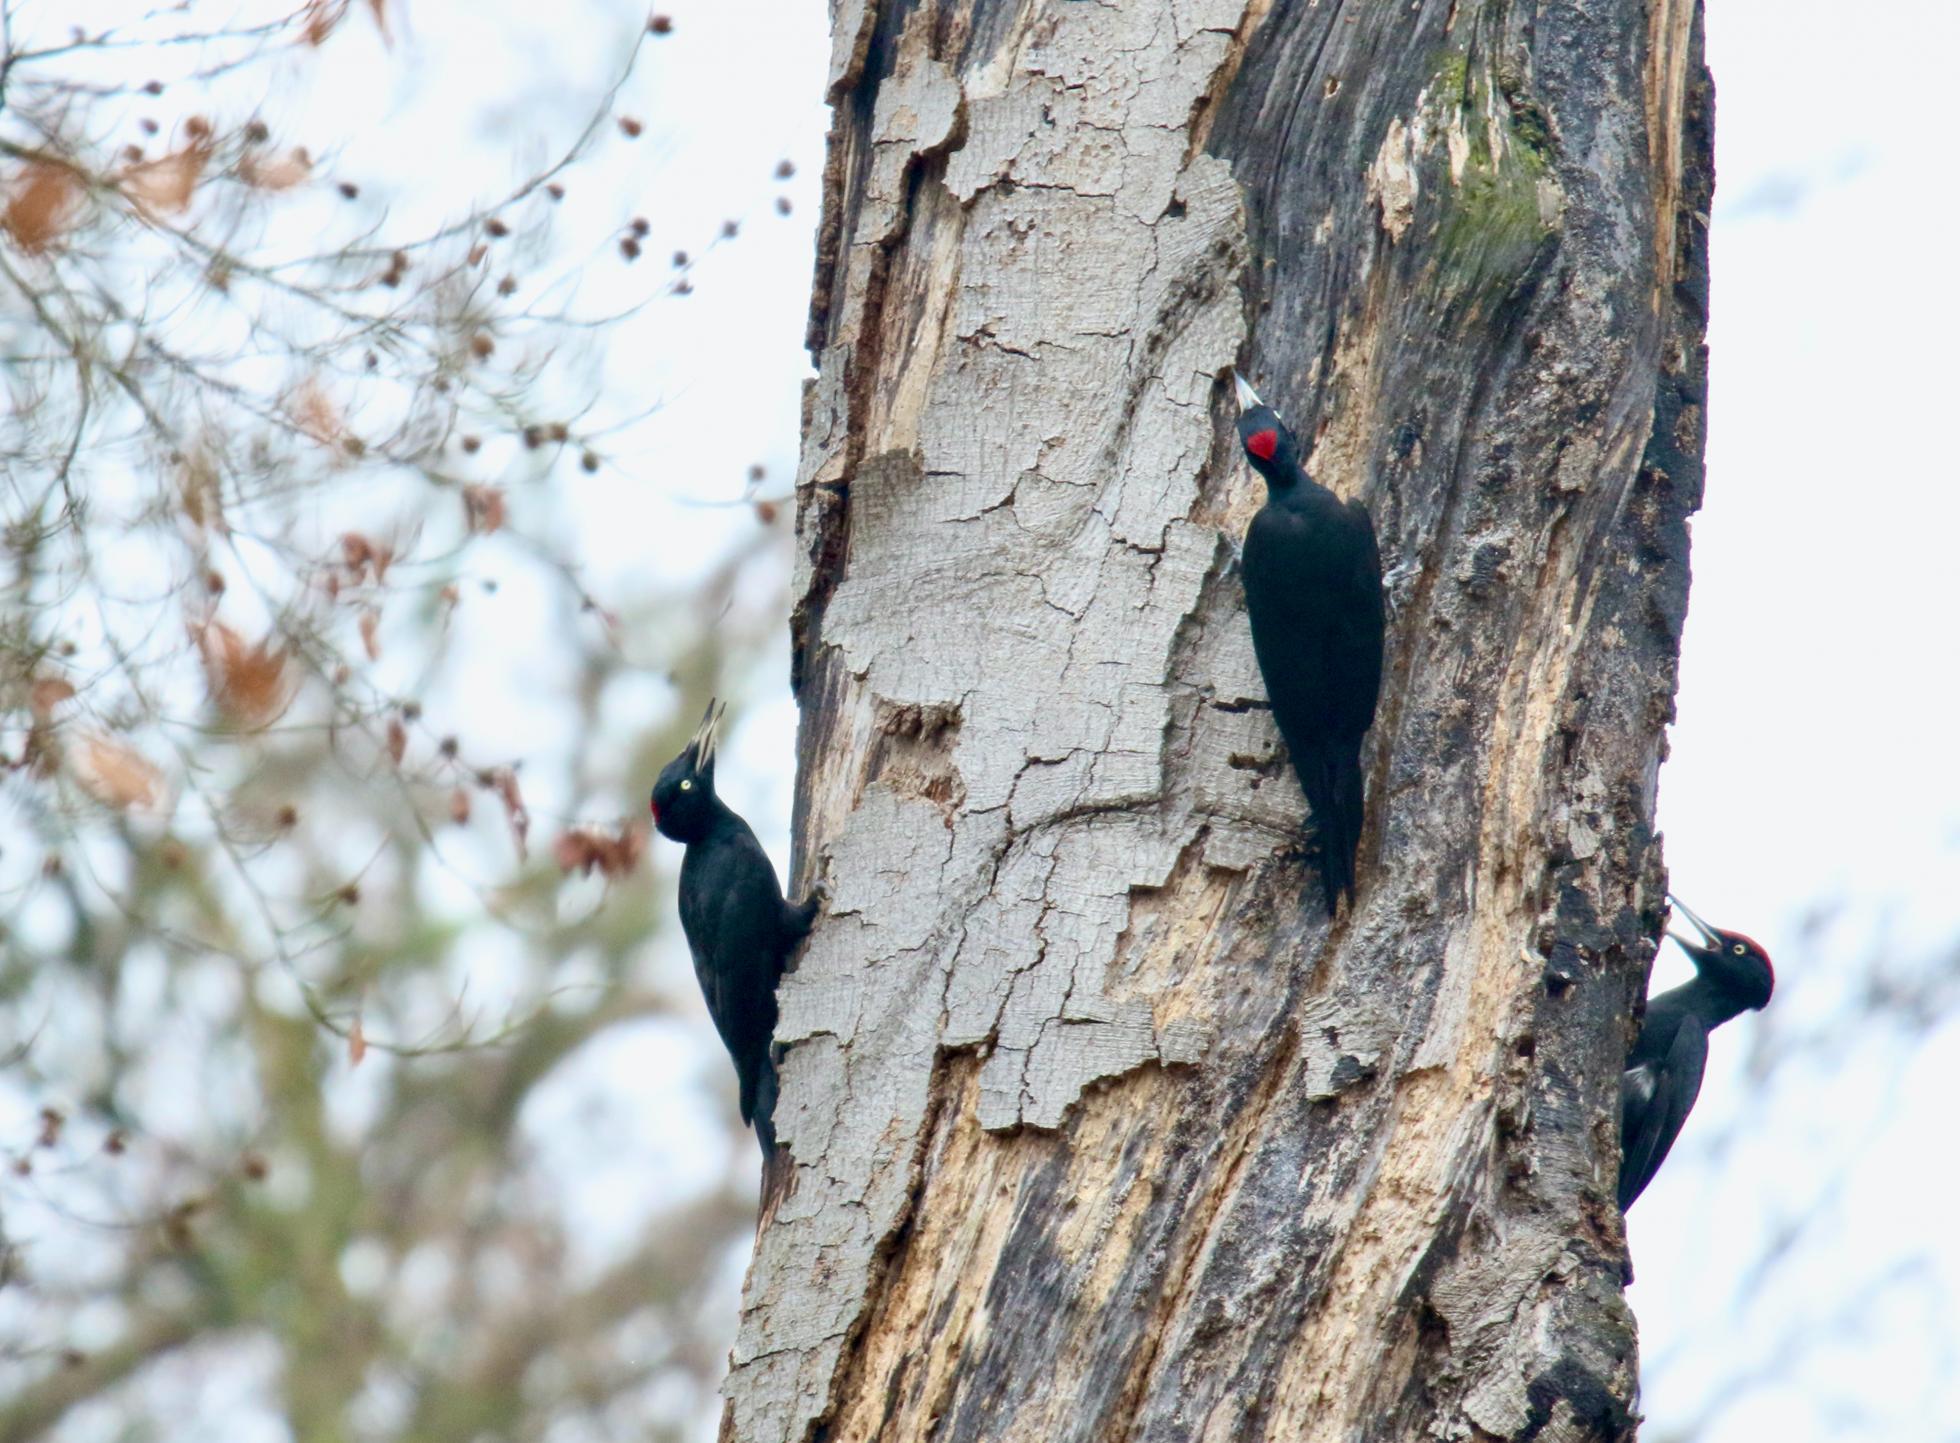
x=738 y=926
x=1663 y=1073
x=1313 y=592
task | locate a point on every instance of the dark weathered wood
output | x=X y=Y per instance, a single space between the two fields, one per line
x=1099 y=1132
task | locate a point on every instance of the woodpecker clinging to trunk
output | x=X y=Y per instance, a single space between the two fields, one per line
x=738 y=926
x=1663 y=1072
x=1313 y=593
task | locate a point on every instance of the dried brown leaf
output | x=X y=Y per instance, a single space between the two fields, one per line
x=165 y=186
x=370 y=626
x=41 y=206
x=356 y=1043
x=117 y=774
x=248 y=682
x=364 y=558
x=47 y=693
x=321 y=18
x=314 y=414
x=282 y=173
x=503 y=781
x=593 y=849
x=397 y=740
x=572 y=851
x=483 y=508
x=200 y=491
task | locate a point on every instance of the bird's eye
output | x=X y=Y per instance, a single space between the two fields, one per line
x=689 y=786
x=1738 y=949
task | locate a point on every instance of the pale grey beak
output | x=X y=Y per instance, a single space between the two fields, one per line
x=708 y=735
x=1248 y=398
x=1709 y=937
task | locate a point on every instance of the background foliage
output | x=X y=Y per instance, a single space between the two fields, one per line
x=334 y=976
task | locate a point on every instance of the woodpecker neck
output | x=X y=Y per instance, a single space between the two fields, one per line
x=1301 y=494
x=1282 y=474
x=715 y=818
x=1715 y=998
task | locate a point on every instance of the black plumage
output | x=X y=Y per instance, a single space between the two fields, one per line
x=1663 y=1072
x=1313 y=593
x=739 y=928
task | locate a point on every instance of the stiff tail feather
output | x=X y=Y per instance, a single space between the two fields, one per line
x=1331 y=777
x=759 y=1104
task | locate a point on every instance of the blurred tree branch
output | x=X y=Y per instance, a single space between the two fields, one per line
x=293 y=939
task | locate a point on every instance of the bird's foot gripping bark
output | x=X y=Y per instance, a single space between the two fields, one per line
x=800 y=917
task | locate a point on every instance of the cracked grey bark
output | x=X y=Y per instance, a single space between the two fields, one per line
x=1098 y=1132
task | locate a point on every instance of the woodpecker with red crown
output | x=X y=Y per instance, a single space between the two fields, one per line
x=1663 y=1072
x=739 y=928
x=1313 y=593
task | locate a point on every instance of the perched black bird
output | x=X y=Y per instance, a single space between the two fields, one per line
x=1663 y=1072
x=738 y=926
x=1313 y=592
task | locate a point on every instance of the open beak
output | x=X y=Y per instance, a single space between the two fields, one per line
x=707 y=736
x=1248 y=398
x=1709 y=937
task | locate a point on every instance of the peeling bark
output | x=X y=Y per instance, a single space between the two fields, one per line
x=1098 y=1131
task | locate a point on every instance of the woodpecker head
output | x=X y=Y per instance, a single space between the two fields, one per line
x=1734 y=961
x=684 y=797
x=1269 y=446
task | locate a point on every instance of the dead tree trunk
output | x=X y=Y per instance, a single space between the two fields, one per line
x=1099 y=1132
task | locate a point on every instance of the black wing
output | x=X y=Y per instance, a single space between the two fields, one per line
x=1655 y=1098
x=1361 y=618
x=732 y=913
x=1313 y=594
